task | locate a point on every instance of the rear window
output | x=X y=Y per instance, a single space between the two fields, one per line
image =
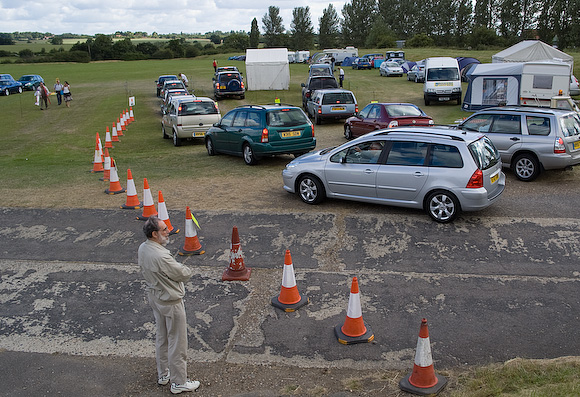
x=446 y=156
x=320 y=83
x=197 y=108
x=227 y=77
x=337 y=97
x=538 y=125
x=484 y=153
x=570 y=125
x=286 y=118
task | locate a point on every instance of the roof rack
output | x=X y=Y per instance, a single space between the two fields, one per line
x=427 y=132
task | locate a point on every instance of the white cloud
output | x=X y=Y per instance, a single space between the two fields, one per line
x=109 y=16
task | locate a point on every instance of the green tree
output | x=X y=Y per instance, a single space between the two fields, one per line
x=146 y=48
x=215 y=38
x=400 y=16
x=101 y=48
x=56 y=40
x=358 y=17
x=483 y=14
x=6 y=39
x=380 y=36
x=123 y=48
x=237 y=41
x=176 y=47
x=26 y=53
x=273 y=28
x=463 y=21
x=301 y=30
x=254 y=34
x=329 y=28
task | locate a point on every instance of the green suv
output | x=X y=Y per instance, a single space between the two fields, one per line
x=256 y=131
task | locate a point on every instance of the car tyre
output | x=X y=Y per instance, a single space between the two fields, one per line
x=209 y=145
x=249 y=155
x=317 y=119
x=176 y=139
x=416 y=79
x=442 y=206
x=526 y=167
x=6 y=92
x=427 y=101
x=310 y=189
x=165 y=136
x=347 y=132
x=20 y=90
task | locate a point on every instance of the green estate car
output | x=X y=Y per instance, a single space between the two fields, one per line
x=256 y=131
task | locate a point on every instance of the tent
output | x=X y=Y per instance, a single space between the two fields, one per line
x=267 y=69
x=532 y=50
x=408 y=65
x=347 y=61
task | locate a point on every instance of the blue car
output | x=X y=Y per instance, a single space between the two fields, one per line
x=8 y=85
x=30 y=82
x=362 y=63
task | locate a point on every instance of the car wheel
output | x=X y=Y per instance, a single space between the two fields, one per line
x=317 y=119
x=242 y=97
x=248 y=154
x=210 y=147
x=6 y=92
x=310 y=189
x=347 y=132
x=176 y=139
x=442 y=206
x=20 y=90
x=164 y=134
x=526 y=167
x=427 y=101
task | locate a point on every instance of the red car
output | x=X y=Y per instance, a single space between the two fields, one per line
x=376 y=116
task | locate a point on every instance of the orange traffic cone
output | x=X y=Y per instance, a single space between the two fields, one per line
x=127 y=118
x=100 y=145
x=289 y=299
x=132 y=202
x=119 y=130
x=114 y=184
x=108 y=141
x=192 y=246
x=354 y=329
x=423 y=380
x=131 y=115
x=114 y=136
x=97 y=160
x=123 y=123
x=107 y=167
x=236 y=270
x=164 y=215
x=148 y=205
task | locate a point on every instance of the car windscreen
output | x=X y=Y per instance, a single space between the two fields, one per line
x=318 y=84
x=197 y=108
x=26 y=78
x=227 y=77
x=337 y=97
x=392 y=64
x=286 y=118
x=570 y=125
x=484 y=153
x=443 y=74
x=403 y=110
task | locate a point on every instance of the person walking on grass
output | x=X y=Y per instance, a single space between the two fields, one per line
x=58 y=90
x=44 y=93
x=340 y=76
x=214 y=66
x=164 y=278
x=67 y=94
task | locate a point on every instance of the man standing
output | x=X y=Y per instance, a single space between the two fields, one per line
x=214 y=66
x=165 y=290
x=340 y=76
x=184 y=79
x=44 y=93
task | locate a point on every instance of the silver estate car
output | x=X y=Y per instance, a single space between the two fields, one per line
x=530 y=139
x=439 y=169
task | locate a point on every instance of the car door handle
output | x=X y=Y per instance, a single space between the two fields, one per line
x=514 y=138
x=368 y=171
x=418 y=173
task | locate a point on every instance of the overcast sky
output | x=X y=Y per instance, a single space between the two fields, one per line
x=175 y=16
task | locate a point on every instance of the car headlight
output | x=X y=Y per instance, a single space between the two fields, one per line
x=431 y=90
x=456 y=89
x=290 y=166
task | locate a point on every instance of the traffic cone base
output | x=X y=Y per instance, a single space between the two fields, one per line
x=109 y=191
x=237 y=275
x=290 y=307
x=405 y=385
x=184 y=252
x=135 y=206
x=175 y=231
x=367 y=337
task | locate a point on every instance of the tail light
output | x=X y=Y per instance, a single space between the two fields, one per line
x=356 y=108
x=476 y=180
x=393 y=123
x=264 y=135
x=320 y=110
x=242 y=84
x=559 y=146
x=217 y=86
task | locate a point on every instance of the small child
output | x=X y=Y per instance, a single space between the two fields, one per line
x=37 y=96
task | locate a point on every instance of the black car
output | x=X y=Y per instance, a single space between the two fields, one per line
x=316 y=83
x=228 y=83
x=9 y=86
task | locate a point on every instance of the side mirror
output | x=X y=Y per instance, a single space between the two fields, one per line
x=342 y=160
x=216 y=124
x=213 y=78
x=302 y=85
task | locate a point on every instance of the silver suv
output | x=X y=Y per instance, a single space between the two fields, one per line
x=331 y=104
x=189 y=117
x=530 y=139
x=438 y=169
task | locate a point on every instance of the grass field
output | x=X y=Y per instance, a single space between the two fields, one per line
x=46 y=161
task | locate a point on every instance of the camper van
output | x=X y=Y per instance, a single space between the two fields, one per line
x=339 y=54
x=442 y=80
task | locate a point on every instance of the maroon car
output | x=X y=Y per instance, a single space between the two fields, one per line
x=376 y=116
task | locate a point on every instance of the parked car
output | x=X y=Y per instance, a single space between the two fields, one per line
x=189 y=117
x=320 y=69
x=30 y=82
x=170 y=94
x=255 y=131
x=362 y=63
x=227 y=84
x=390 y=68
x=316 y=83
x=172 y=85
x=416 y=74
x=376 y=116
x=530 y=139
x=9 y=86
x=440 y=170
x=574 y=87
x=161 y=79
x=332 y=104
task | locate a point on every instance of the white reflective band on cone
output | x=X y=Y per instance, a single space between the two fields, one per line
x=288 y=279
x=354 y=310
x=423 y=353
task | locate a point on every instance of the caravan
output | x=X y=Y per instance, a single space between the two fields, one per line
x=442 y=81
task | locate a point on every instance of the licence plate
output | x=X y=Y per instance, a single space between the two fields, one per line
x=494 y=178
x=289 y=134
x=338 y=109
x=576 y=145
x=444 y=98
x=196 y=134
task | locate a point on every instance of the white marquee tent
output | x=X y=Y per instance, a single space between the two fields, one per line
x=267 y=69
x=532 y=50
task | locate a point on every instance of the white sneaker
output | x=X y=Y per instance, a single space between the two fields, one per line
x=163 y=380
x=189 y=385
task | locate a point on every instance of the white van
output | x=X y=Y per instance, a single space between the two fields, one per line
x=442 y=80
